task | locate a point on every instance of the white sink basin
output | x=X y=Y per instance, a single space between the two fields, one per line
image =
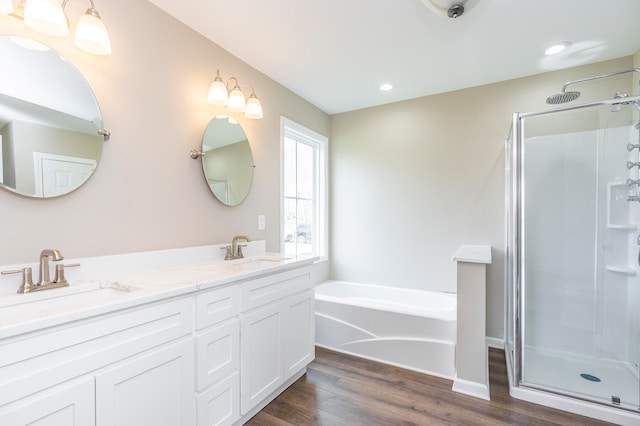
x=59 y=300
x=260 y=262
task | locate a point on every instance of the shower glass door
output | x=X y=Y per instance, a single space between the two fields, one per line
x=578 y=298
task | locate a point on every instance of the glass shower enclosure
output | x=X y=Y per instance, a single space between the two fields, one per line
x=573 y=252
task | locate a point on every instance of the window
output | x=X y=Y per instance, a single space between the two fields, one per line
x=304 y=183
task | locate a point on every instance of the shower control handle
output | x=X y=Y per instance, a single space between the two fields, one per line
x=632 y=146
x=632 y=182
x=632 y=164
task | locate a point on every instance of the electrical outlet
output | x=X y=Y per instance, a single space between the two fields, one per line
x=262 y=224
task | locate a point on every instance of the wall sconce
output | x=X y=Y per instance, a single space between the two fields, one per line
x=48 y=17
x=234 y=100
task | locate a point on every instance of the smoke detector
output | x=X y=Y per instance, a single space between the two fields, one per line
x=451 y=8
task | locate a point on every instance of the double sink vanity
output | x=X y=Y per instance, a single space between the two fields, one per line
x=194 y=336
x=172 y=337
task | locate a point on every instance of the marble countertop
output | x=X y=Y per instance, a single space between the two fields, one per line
x=86 y=297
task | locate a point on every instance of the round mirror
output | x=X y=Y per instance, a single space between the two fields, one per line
x=227 y=161
x=50 y=122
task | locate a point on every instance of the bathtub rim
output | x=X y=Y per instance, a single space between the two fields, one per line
x=443 y=315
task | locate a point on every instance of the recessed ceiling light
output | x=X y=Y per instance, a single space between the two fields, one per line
x=556 y=48
x=385 y=87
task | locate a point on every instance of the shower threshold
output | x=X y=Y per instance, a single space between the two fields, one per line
x=557 y=396
x=603 y=381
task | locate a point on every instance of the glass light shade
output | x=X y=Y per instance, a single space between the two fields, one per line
x=254 y=109
x=237 y=102
x=91 y=35
x=218 y=94
x=6 y=7
x=46 y=16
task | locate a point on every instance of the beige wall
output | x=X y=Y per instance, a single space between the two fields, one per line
x=413 y=180
x=147 y=193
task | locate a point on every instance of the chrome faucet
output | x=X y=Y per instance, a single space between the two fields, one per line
x=236 y=249
x=55 y=255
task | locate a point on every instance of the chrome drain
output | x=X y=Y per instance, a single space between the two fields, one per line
x=590 y=377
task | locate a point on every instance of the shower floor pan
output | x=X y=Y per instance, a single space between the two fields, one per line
x=586 y=378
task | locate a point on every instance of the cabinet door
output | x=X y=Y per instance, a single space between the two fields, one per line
x=153 y=389
x=299 y=332
x=70 y=404
x=219 y=405
x=261 y=355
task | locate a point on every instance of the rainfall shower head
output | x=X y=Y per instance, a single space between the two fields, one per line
x=563 y=97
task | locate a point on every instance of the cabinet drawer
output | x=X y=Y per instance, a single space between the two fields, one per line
x=217 y=353
x=217 y=305
x=219 y=405
x=267 y=289
x=45 y=358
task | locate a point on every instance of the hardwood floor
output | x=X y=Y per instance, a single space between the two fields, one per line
x=343 y=390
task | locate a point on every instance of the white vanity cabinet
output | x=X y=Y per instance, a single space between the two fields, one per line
x=111 y=369
x=218 y=356
x=210 y=353
x=277 y=334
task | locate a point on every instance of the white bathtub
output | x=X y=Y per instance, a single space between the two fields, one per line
x=407 y=328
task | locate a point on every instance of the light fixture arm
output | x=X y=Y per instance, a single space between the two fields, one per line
x=235 y=85
x=239 y=87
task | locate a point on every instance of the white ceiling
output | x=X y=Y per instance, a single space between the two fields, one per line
x=335 y=53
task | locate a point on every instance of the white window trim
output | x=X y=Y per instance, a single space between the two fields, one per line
x=289 y=126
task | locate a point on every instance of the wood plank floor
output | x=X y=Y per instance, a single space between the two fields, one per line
x=343 y=390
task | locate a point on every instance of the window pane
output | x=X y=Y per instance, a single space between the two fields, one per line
x=305 y=227
x=289 y=164
x=290 y=223
x=306 y=171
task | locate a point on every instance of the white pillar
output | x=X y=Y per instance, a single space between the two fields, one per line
x=472 y=357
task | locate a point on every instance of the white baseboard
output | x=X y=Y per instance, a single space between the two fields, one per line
x=494 y=342
x=475 y=389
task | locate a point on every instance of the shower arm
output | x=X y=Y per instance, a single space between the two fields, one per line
x=597 y=77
